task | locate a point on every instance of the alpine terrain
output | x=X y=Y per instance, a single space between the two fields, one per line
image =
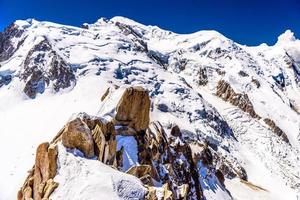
x=120 y=110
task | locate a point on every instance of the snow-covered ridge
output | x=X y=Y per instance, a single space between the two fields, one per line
x=181 y=73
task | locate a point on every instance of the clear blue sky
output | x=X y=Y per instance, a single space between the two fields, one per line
x=247 y=22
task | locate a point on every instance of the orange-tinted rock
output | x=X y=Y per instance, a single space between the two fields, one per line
x=140 y=170
x=78 y=135
x=133 y=108
x=49 y=188
x=44 y=168
x=105 y=143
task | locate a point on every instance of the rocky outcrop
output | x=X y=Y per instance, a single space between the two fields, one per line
x=139 y=171
x=243 y=74
x=255 y=82
x=39 y=183
x=276 y=129
x=225 y=91
x=42 y=66
x=5 y=79
x=203 y=79
x=105 y=94
x=166 y=194
x=90 y=135
x=7 y=46
x=105 y=143
x=228 y=169
x=138 y=43
x=78 y=135
x=165 y=159
x=133 y=108
x=171 y=161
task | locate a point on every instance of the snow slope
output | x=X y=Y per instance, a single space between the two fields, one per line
x=120 y=52
x=81 y=178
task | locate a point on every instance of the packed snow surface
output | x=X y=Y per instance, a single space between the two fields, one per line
x=84 y=179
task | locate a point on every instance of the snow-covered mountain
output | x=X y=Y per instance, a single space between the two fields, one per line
x=241 y=104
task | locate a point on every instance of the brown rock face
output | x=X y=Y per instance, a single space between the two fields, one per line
x=133 y=108
x=242 y=101
x=44 y=168
x=276 y=129
x=171 y=161
x=37 y=184
x=225 y=91
x=88 y=134
x=105 y=94
x=78 y=135
x=105 y=143
x=49 y=188
x=139 y=171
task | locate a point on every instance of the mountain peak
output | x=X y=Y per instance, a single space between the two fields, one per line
x=237 y=109
x=125 y=20
x=287 y=36
x=25 y=23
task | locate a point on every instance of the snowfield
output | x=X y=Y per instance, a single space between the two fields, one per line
x=81 y=178
x=181 y=73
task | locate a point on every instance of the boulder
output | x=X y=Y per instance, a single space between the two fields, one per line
x=183 y=191
x=140 y=170
x=78 y=135
x=133 y=108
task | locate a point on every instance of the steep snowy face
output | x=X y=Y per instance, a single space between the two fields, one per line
x=243 y=101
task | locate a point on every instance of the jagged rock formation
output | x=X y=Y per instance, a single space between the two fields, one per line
x=203 y=79
x=276 y=129
x=225 y=91
x=133 y=109
x=78 y=135
x=7 y=47
x=162 y=158
x=39 y=71
x=39 y=183
x=171 y=160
